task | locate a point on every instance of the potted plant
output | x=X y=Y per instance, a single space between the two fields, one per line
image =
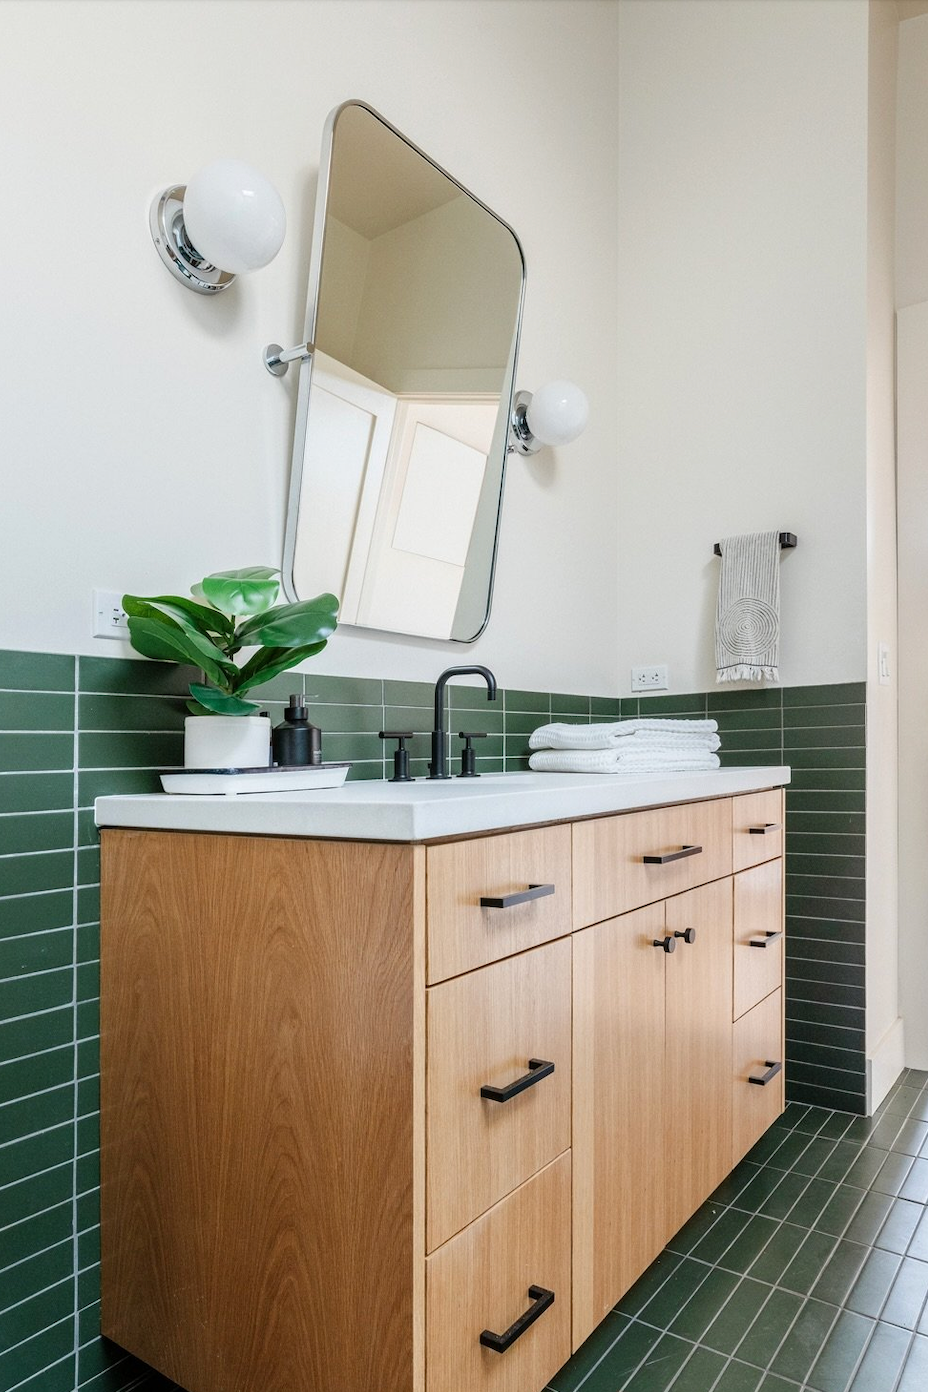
x=229 y=611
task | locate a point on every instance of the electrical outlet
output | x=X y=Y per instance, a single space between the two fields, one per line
x=109 y=617
x=649 y=679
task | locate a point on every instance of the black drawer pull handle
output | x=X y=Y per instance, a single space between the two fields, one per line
x=538 y=1069
x=768 y=1077
x=669 y=944
x=687 y=934
x=767 y=939
x=672 y=855
x=763 y=830
x=523 y=896
x=499 y=1343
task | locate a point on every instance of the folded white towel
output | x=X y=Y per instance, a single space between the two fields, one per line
x=685 y=744
x=608 y=736
x=672 y=727
x=747 y=619
x=617 y=761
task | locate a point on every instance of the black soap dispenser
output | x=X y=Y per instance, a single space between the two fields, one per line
x=295 y=742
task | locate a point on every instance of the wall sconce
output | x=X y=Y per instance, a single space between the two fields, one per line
x=556 y=414
x=229 y=219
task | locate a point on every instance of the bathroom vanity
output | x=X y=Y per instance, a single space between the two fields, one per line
x=403 y=1087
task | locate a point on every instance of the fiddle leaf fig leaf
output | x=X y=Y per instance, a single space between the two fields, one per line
x=220 y=702
x=161 y=637
x=292 y=625
x=188 y=614
x=241 y=592
x=270 y=662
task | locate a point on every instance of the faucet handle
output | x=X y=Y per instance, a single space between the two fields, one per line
x=400 y=754
x=468 y=757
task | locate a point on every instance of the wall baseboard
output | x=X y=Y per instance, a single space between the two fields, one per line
x=885 y=1064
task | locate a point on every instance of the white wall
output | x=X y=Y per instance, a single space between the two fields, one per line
x=742 y=322
x=912 y=298
x=143 y=443
x=885 y=1044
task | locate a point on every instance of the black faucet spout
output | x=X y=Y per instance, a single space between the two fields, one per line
x=438 y=767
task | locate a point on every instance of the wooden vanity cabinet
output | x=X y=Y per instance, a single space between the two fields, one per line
x=697 y=1049
x=411 y=1116
x=652 y=1085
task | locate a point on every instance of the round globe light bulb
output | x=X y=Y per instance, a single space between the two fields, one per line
x=557 y=413
x=233 y=216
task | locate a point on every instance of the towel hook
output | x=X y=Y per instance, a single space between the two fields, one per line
x=787 y=542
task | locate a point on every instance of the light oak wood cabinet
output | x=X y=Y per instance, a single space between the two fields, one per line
x=414 y=1116
x=697 y=1048
x=484 y=1031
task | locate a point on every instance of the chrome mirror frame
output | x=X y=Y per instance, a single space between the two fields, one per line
x=277 y=361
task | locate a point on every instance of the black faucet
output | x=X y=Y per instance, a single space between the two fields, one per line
x=438 y=768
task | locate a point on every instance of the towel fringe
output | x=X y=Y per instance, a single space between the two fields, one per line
x=744 y=671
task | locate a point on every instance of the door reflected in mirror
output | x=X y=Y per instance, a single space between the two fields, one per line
x=402 y=423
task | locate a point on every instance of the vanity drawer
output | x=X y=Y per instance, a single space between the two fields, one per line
x=487 y=1029
x=623 y=862
x=526 y=872
x=758 y=934
x=480 y=1281
x=756 y=827
x=757 y=1047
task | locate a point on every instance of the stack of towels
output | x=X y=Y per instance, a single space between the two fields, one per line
x=626 y=746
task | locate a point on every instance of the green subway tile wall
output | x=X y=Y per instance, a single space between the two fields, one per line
x=820 y=732
x=72 y=729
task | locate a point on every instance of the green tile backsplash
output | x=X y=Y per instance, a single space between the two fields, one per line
x=72 y=729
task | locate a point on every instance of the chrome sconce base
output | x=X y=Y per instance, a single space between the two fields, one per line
x=277 y=360
x=521 y=439
x=182 y=259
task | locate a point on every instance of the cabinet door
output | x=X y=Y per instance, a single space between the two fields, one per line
x=483 y=1030
x=757 y=1072
x=756 y=827
x=640 y=858
x=697 y=1055
x=505 y=1265
x=619 y=1167
x=492 y=896
x=758 y=934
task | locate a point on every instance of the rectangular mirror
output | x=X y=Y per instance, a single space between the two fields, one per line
x=414 y=307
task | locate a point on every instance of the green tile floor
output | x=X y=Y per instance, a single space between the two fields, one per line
x=807 y=1269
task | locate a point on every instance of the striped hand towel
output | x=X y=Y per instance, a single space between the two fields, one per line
x=747 y=620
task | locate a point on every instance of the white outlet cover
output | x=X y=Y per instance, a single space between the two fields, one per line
x=650 y=678
x=109 y=617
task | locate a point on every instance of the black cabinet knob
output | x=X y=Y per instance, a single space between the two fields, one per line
x=687 y=934
x=668 y=944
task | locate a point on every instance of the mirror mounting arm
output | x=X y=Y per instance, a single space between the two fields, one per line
x=278 y=359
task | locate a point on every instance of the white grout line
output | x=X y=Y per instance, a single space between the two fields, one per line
x=28 y=1219
x=41 y=1370
x=28 y=1096
x=10 y=1348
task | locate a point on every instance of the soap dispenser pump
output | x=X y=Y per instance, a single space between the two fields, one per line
x=295 y=741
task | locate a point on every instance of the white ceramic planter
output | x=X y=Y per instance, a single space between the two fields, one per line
x=227 y=741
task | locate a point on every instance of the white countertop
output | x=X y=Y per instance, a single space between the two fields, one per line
x=422 y=810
